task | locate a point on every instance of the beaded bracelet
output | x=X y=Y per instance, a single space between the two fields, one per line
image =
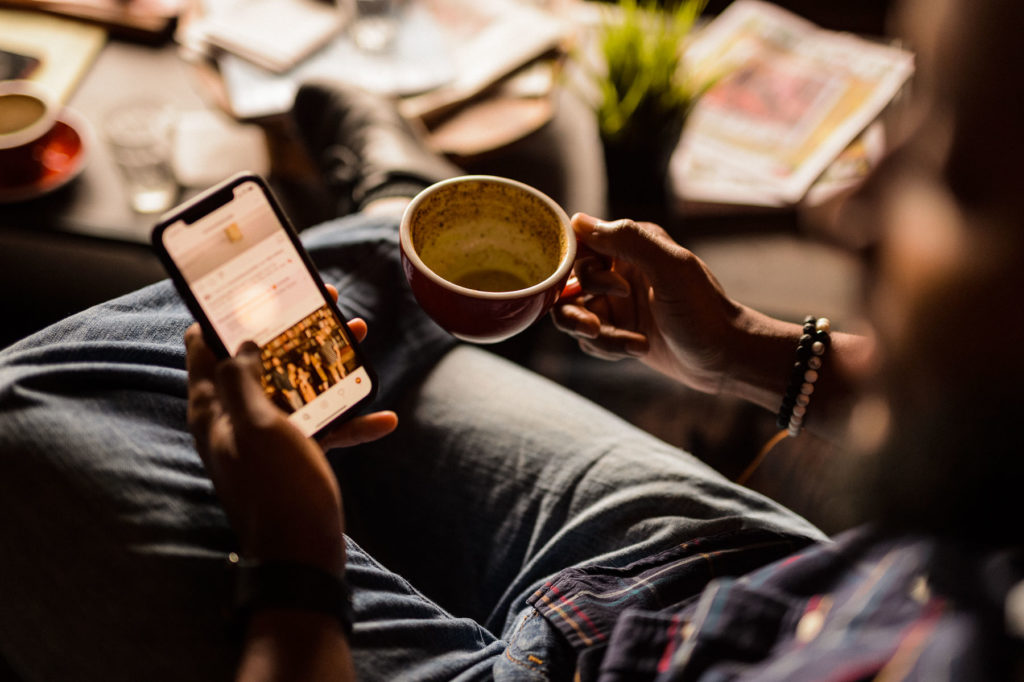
x=810 y=351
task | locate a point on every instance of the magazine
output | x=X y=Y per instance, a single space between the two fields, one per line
x=787 y=98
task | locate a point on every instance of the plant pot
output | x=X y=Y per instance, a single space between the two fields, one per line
x=636 y=166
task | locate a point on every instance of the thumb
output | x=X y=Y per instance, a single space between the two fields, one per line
x=240 y=389
x=644 y=245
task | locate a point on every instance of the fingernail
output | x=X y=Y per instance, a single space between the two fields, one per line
x=584 y=220
x=248 y=348
x=636 y=349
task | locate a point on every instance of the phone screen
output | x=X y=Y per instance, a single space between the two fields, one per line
x=251 y=283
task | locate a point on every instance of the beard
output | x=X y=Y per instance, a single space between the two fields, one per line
x=952 y=471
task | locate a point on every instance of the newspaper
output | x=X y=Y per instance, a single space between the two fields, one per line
x=787 y=98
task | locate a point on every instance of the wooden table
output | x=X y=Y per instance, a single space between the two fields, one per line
x=83 y=244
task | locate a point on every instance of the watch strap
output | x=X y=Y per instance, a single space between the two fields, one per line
x=260 y=585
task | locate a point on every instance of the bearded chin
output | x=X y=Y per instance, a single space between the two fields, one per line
x=952 y=471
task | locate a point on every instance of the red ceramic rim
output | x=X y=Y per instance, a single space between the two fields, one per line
x=46 y=183
x=36 y=130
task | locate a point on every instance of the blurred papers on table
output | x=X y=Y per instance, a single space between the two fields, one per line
x=252 y=30
x=787 y=99
x=141 y=19
x=443 y=53
x=58 y=51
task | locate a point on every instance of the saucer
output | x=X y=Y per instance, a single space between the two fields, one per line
x=63 y=156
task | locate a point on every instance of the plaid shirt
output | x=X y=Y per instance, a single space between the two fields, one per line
x=906 y=608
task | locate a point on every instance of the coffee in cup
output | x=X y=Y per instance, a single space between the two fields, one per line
x=485 y=256
x=27 y=116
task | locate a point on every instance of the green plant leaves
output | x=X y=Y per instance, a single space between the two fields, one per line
x=645 y=88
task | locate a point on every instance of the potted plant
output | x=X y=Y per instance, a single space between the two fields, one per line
x=644 y=96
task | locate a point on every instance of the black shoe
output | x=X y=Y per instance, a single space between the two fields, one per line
x=363 y=146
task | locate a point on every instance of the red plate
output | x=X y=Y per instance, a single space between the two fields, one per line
x=63 y=159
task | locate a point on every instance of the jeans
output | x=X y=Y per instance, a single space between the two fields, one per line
x=112 y=543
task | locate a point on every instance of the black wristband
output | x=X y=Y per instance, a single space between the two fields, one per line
x=259 y=585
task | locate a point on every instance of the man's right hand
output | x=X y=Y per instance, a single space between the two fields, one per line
x=647 y=297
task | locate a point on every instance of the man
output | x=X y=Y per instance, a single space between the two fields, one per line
x=329 y=351
x=282 y=382
x=522 y=532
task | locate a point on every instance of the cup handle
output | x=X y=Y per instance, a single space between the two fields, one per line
x=572 y=288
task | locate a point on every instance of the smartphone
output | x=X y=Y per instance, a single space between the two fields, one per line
x=237 y=262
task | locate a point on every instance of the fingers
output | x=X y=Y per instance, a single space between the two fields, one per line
x=358 y=328
x=613 y=343
x=596 y=278
x=594 y=274
x=595 y=336
x=199 y=359
x=203 y=407
x=576 y=320
x=233 y=386
x=239 y=388
x=644 y=245
x=362 y=429
x=356 y=325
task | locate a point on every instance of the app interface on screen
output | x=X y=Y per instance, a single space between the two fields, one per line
x=252 y=284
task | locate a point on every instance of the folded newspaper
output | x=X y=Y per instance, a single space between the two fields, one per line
x=787 y=99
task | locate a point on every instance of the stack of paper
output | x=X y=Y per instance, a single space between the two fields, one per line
x=274 y=34
x=442 y=51
x=788 y=98
x=147 y=19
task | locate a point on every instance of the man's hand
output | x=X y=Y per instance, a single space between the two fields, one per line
x=647 y=297
x=274 y=483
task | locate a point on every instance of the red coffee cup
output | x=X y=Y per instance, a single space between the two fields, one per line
x=27 y=116
x=485 y=256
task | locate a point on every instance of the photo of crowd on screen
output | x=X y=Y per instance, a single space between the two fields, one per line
x=306 y=360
